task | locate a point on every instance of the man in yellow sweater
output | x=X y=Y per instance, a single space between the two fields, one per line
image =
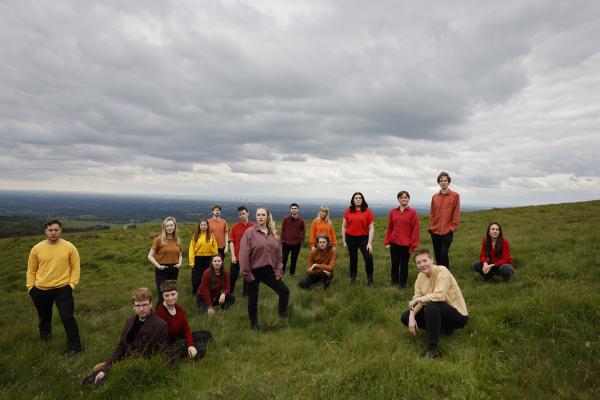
x=52 y=274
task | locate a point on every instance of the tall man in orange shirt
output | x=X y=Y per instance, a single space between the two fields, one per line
x=52 y=273
x=218 y=227
x=444 y=218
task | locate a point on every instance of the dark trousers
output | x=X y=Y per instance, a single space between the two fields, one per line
x=234 y=272
x=441 y=247
x=434 y=317
x=354 y=244
x=203 y=307
x=63 y=297
x=178 y=349
x=266 y=275
x=201 y=264
x=285 y=251
x=221 y=251
x=162 y=275
x=312 y=279
x=505 y=271
x=400 y=257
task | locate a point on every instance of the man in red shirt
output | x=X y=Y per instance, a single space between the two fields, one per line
x=237 y=231
x=292 y=237
x=444 y=218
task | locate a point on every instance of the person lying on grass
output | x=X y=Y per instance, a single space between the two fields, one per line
x=438 y=304
x=214 y=289
x=495 y=256
x=321 y=263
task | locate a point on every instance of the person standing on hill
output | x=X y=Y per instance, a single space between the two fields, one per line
x=203 y=247
x=166 y=254
x=292 y=237
x=53 y=271
x=358 y=229
x=401 y=238
x=444 y=218
x=322 y=224
x=495 y=258
x=237 y=231
x=218 y=227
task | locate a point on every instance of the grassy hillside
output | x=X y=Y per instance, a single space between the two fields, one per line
x=538 y=337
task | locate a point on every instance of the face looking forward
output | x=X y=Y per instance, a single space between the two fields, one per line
x=322 y=243
x=424 y=263
x=261 y=217
x=243 y=216
x=142 y=308
x=494 y=231
x=53 y=232
x=294 y=211
x=403 y=200
x=171 y=298
x=444 y=182
x=170 y=227
x=357 y=200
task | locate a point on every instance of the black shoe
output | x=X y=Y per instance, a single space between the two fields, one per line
x=326 y=284
x=508 y=278
x=431 y=353
x=255 y=327
x=370 y=282
x=403 y=286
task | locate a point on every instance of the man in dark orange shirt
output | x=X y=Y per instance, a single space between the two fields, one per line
x=444 y=218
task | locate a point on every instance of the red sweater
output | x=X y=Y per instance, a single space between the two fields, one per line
x=179 y=327
x=403 y=228
x=292 y=230
x=357 y=222
x=205 y=290
x=504 y=259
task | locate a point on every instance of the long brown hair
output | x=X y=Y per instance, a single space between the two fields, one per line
x=198 y=231
x=488 y=242
x=213 y=274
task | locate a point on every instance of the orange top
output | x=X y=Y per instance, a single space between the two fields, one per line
x=325 y=260
x=444 y=214
x=318 y=226
x=219 y=229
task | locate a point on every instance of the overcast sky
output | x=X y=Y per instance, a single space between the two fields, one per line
x=305 y=99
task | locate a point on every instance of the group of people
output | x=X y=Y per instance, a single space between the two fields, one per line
x=260 y=256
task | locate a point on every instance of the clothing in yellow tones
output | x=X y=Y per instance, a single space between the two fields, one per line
x=202 y=248
x=53 y=265
x=440 y=286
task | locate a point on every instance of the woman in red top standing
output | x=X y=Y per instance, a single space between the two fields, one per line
x=214 y=289
x=401 y=238
x=358 y=229
x=495 y=255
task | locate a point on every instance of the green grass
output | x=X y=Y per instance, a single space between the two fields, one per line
x=538 y=337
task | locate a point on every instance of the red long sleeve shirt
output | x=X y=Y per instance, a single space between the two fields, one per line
x=444 y=214
x=179 y=327
x=403 y=228
x=504 y=259
x=292 y=230
x=207 y=292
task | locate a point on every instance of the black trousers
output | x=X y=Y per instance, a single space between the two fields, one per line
x=434 y=317
x=162 y=275
x=203 y=307
x=266 y=275
x=201 y=264
x=285 y=251
x=221 y=251
x=234 y=272
x=311 y=279
x=505 y=271
x=441 y=247
x=178 y=349
x=63 y=297
x=400 y=257
x=355 y=243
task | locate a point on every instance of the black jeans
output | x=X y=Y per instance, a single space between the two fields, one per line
x=285 y=251
x=201 y=264
x=355 y=243
x=234 y=272
x=178 y=349
x=203 y=307
x=434 y=317
x=266 y=275
x=63 y=297
x=505 y=271
x=441 y=247
x=162 y=275
x=400 y=257
x=311 y=279
x=221 y=251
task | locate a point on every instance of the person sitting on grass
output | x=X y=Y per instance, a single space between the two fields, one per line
x=144 y=334
x=438 y=304
x=214 y=289
x=495 y=255
x=183 y=342
x=321 y=263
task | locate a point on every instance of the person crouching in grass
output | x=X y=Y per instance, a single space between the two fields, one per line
x=321 y=263
x=438 y=304
x=214 y=289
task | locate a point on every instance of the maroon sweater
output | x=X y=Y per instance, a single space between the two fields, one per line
x=221 y=286
x=179 y=327
x=292 y=230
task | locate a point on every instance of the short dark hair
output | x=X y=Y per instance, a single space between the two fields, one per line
x=294 y=204
x=420 y=251
x=216 y=206
x=242 y=208
x=444 y=173
x=168 y=286
x=52 y=221
x=400 y=193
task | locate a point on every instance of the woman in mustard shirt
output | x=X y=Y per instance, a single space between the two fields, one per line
x=165 y=254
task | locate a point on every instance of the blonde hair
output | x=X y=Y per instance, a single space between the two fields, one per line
x=271 y=227
x=163 y=234
x=318 y=217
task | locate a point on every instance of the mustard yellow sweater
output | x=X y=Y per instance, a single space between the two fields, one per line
x=52 y=266
x=202 y=248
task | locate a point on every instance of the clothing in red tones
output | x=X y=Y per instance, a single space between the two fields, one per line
x=357 y=222
x=504 y=259
x=325 y=260
x=444 y=214
x=292 y=230
x=257 y=250
x=179 y=327
x=319 y=226
x=403 y=228
x=236 y=233
x=221 y=286
x=219 y=229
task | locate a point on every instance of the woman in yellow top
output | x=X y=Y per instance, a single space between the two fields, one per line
x=438 y=304
x=203 y=247
x=165 y=254
x=322 y=224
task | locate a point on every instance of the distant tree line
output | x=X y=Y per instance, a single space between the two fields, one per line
x=14 y=226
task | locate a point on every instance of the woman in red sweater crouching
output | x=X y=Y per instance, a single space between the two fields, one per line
x=495 y=255
x=184 y=342
x=214 y=288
